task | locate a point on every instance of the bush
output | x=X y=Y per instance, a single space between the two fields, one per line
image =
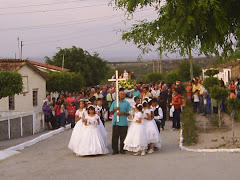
x=210 y=82
x=189 y=126
x=10 y=83
x=152 y=77
x=171 y=77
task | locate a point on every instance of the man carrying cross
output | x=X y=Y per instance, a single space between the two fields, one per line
x=120 y=126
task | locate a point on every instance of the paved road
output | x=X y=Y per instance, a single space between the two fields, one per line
x=51 y=159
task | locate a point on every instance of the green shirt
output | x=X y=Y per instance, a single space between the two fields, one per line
x=124 y=106
x=136 y=93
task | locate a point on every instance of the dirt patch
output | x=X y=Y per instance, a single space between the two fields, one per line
x=212 y=137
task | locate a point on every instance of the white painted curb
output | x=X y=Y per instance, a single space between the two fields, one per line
x=14 y=149
x=204 y=150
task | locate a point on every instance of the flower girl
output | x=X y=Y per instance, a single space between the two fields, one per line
x=135 y=140
x=91 y=142
x=79 y=128
x=152 y=133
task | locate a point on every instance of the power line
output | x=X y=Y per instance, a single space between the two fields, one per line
x=51 y=10
x=67 y=23
x=75 y=32
x=33 y=5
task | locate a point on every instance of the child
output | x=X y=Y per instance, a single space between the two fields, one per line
x=62 y=115
x=136 y=140
x=91 y=142
x=101 y=112
x=158 y=113
x=152 y=134
x=196 y=100
x=57 y=112
x=72 y=111
x=79 y=128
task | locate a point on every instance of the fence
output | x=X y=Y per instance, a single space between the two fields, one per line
x=20 y=124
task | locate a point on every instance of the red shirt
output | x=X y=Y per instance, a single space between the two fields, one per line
x=57 y=110
x=175 y=100
x=72 y=110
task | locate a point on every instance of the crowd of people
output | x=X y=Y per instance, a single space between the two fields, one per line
x=88 y=110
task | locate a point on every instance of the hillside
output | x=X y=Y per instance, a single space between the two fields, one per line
x=141 y=68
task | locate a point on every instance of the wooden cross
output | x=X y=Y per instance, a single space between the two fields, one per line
x=117 y=97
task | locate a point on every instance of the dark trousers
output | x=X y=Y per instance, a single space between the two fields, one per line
x=176 y=118
x=72 y=119
x=62 y=119
x=103 y=122
x=158 y=122
x=57 y=117
x=118 y=132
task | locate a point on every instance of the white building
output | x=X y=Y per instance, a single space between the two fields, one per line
x=21 y=114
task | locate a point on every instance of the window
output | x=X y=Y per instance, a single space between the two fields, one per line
x=11 y=103
x=35 y=97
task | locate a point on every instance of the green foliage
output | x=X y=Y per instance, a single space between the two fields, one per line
x=65 y=81
x=211 y=72
x=237 y=115
x=210 y=82
x=183 y=70
x=189 y=126
x=10 y=83
x=129 y=84
x=214 y=121
x=92 y=67
x=152 y=77
x=210 y=26
x=171 y=77
x=218 y=93
x=233 y=104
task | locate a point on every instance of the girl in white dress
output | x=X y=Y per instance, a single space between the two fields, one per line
x=79 y=128
x=136 y=140
x=91 y=142
x=152 y=133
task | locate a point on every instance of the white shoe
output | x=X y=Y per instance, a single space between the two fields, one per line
x=136 y=154
x=143 y=153
x=150 y=151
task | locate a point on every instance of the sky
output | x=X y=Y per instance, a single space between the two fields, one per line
x=46 y=25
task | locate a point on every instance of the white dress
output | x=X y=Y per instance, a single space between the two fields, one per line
x=91 y=142
x=136 y=140
x=78 y=130
x=152 y=133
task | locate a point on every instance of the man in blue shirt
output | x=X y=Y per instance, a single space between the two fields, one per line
x=136 y=92
x=119 y=128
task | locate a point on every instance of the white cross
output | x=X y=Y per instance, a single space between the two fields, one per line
x=117 y=97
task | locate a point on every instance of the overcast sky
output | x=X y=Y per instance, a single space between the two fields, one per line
x=44 y=25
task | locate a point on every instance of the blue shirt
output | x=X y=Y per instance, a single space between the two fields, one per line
x=136 y=93
x=124 y=106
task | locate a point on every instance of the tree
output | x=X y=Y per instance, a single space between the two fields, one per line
x=92 y=67
x=171 y=77
x=183 y=70
x=219 y=93
x=10 y=83
x=211 y=72
x=208 y=26
x=233 y=105
x=153 y=77
x=210 y=82
x=65 y=81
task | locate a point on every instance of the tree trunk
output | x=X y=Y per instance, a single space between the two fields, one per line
x=190 y=63
x=232 y=117
x=219 y=116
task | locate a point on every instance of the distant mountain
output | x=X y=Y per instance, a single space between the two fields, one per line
x=141 y=68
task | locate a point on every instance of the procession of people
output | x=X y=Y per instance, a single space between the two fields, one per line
x=88 y=110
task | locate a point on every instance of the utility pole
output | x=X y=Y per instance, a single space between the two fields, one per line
x=63 y=62
x=153 y=65
x=21 y=49
x=160 y=62
x=19 y=52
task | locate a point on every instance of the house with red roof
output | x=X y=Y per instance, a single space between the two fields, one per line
x=14 y=108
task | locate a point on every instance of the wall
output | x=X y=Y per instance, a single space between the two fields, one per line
x=24 y=102
x=21 y=125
